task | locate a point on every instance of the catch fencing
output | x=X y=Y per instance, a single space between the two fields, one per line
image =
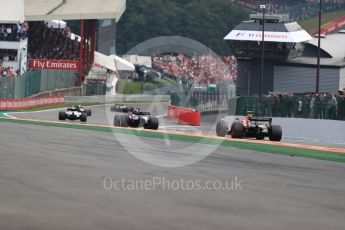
x=201 y=101
x=35 y=82
x=298 y=106
x=122 y=98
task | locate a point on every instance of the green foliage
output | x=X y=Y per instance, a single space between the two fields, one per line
x=126 y=87
x=207 y=21
x=157 y=87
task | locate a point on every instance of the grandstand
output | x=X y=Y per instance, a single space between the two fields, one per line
x=31 y=31
x=290 y=57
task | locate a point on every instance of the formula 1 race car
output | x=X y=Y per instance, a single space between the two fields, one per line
x=250 y=127
x=75 y=113
x=122 y=108
x=83 y=110
x=136 y=119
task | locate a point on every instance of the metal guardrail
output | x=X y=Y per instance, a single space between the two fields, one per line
x=117 y=98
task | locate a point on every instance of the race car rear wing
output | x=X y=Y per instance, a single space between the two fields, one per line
x=263 y=119
x=142 y=113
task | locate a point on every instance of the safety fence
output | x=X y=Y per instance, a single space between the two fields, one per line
x=121 y=98
x=201 y=101
x=34 y=82
x=299 y=106
x=30 y=103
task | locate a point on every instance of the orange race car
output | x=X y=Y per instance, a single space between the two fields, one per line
x=251 y=126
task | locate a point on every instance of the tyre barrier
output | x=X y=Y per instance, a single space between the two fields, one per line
x=30 y=103
x=184 y=116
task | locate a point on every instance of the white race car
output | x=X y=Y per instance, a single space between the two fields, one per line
x=75 y=113
x=135 y=119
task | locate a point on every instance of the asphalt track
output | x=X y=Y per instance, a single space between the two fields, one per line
x=101 y=115
x=53 y=179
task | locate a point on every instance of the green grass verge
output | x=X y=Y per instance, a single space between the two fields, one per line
x=158 y=87
x=288 y=151
x=312 y=24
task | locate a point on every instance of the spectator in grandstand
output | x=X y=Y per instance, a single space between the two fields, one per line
x=13 y=32
x=312 y=107
x=299 y=108
x=277 y=105
x=202 y=70
x=51 y=43
x=333 y=107
x=2 y=32
x=8 y=55
x=9 y=32
x=321 y=104
x=7 y=72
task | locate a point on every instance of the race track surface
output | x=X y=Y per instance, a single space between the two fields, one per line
x=101 y=115
x=52 y=178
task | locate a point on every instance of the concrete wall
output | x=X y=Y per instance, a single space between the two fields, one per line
x=328 y=131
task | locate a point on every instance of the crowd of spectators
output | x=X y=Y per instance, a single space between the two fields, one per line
x=8 y=55
x=204 y=69
x=311 y=105
x=297 y=9
x=51 y=43
x=13 y=32
x=7 y=72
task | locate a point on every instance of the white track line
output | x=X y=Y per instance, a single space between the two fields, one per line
x=7 y=115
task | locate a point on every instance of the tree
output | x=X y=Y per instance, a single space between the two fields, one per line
x=207 y=21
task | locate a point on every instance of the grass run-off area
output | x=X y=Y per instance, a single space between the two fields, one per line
x=312 y=24
x=158 y=87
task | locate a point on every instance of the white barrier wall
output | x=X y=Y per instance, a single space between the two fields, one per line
x=329 y=131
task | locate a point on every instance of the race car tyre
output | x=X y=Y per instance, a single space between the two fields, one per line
x=124 y=120
x=154 y=123
x=116 y=121
x=222 y=128
x=88 y=112
x=237 y=130
x=260 y=137
x=62 y=115
x=276 y=133
x=83 y=117
x=116 y=108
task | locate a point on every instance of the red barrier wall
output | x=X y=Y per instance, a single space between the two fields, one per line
x=184 y=116
x=30 y=103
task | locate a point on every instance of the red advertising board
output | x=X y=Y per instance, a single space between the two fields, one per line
x=30 y=103
x=47 y=64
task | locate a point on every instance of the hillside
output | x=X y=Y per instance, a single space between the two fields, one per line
x=312 y=24
x=207 y=21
